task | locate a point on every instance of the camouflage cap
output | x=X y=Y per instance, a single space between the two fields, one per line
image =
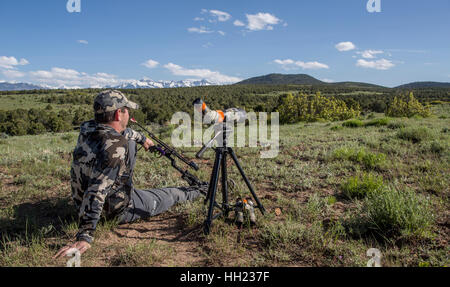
x=111 y=100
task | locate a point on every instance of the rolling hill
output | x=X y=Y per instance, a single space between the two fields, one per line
x=418 y=85
x=304 y=79
x=280 y=79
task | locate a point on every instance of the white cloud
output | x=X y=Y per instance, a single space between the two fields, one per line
x=83 y=42
x=150 y=64
x=13 y=74
x=11 y=62
x=208 y=45
x=312 y=65
x=261 y=21
x=408 y=51
x=199 y=19
x=69 y=78
x=206 y=74
x=290 y=64
x=369 y=54
x=23 y=62
x=327 y=80
x=238 y=23
x=221 y=33
x=201 y=30
x=221 y=16
x=284 y=62
x=345 y=46
x=382 y=64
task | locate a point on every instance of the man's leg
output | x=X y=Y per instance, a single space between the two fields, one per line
x=147 y=203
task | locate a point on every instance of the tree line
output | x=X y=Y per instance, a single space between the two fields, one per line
x=158 y=105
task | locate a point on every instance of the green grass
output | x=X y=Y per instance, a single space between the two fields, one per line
x=415 y=134
x=353 y=123
x=377 y=122
x=317 y=226
x=369 y=160
x=142 y=254
x=28 y=101
x=391 y=212
x=361 y=186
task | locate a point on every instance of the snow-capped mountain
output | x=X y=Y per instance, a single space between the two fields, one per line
x=127 y=84
x=150 y=84
x=5 y=86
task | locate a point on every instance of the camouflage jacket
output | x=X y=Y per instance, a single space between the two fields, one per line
x=100 y=175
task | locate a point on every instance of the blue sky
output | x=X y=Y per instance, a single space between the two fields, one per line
x=113 y=41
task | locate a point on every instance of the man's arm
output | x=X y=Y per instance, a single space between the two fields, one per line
x=134 y=135
x=138 y=137
x=109 y=166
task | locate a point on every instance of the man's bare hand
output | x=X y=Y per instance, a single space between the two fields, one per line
x=148 y=144
x=82 y=246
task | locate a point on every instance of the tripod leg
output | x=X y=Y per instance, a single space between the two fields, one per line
x=233 y=155
x=225 y=185
x=212 y=191
x=214 y=174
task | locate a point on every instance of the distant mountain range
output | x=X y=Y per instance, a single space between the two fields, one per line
x=131 y=84
x=150 y=84
x=18 y=87
x=417 y=85
x=303 y=79
x=271 y=79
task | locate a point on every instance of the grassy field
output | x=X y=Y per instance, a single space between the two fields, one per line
x=334 y=191
x=28 y=101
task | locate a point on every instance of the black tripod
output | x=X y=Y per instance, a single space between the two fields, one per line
x=220 y=164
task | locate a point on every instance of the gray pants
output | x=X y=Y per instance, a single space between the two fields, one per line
x=151 y=202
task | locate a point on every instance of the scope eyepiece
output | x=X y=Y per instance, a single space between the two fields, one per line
x=197 y=101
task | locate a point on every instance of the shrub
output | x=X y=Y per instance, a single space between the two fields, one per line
x=378 y=106
x=353 y=123
x=377 y=122
x=373 y=160
x=303 y=107
x=414 y=134
x=408 y=108
x=437 y=147
x=36 y=128
x=361 y=186
x=391 y=212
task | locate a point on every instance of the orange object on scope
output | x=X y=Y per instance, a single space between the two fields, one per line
x=221 y=116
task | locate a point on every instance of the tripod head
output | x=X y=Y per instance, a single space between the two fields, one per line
x=218 y=116
x=222 y=121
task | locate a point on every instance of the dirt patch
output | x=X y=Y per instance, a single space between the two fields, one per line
x=165 y=229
